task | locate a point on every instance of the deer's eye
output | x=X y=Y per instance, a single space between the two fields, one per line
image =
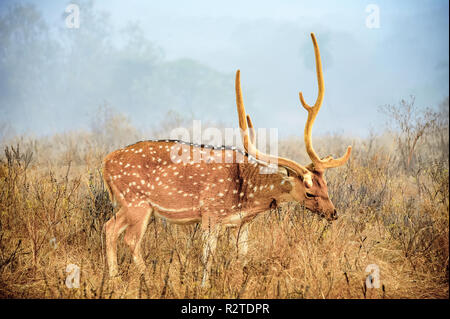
x=309 y=195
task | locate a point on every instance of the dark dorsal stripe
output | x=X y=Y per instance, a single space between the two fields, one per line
x=223 y=147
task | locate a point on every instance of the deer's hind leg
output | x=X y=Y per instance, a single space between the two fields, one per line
x=113 y=228
x=138 y=219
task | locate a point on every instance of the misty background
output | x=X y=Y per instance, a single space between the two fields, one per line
x=145 y=58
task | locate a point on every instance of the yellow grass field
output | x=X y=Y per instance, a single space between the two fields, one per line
x=53 y=206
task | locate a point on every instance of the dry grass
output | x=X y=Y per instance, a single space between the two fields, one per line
x=53 y=206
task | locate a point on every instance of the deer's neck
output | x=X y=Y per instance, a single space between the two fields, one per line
x=260 y=190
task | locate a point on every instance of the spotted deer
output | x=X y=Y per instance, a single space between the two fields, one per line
x=149 y=179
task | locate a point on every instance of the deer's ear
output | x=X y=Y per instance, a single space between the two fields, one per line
x=282 y=170
x=288 y=181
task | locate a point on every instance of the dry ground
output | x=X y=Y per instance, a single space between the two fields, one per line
x=53 y=206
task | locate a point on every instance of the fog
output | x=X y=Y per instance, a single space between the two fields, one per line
x=145 y=58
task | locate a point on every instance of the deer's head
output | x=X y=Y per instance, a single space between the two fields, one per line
x=309 y=185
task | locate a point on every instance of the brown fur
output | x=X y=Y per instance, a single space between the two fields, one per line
x=225 y=187
x=189 y=190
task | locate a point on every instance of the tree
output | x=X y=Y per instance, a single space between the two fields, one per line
x=411 y=124
x=52 y=78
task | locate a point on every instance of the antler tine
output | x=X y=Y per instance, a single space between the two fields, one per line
x=313 y=110
x=245 y=123
x=320 y=82
x=241 y=112
x=248 y=138
x=252 y=130
x=328 y=162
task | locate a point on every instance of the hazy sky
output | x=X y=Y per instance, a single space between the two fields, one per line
x=269 y=42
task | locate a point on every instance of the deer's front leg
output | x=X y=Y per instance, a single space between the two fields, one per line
x=242 y=243
x=209 y=245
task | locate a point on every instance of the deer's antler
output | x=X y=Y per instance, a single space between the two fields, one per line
x=248 y=139
x=329 y=161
